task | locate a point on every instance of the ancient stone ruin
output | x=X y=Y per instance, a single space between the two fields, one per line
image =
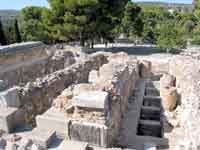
x=68 y=100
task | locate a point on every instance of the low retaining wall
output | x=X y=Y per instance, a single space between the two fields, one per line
x=21 y=63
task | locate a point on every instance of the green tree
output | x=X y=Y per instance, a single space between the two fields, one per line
x=170 y=37
x=17 y=32
x=33 y=28
x=132 y=23
x=3 y=40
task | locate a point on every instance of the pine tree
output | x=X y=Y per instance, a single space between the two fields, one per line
x=3 y=40
x=18 y=38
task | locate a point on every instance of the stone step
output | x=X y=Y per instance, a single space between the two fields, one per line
x=73 y=145
x=55 y=120
x=9 y=118
x=150 y=113
x=152 y=101
x=152 y=92
x=150 y=128
x=42 y=137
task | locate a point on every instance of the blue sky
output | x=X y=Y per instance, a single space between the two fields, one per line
x=18 y=4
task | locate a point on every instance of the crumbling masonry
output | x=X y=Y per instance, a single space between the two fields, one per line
x=59 y=99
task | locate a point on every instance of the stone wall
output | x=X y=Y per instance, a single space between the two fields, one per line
x=37 y=96
x=21 y=63
x=120 y=90
x=187 y=73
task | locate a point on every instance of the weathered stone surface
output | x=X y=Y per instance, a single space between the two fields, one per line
x=167 y=80
x=95 y=99
x=169 y=97
x=55 y=120
x=145 y=69
x=42 y=137
x=10 y=98
x=186 y=70
x=73 y=145
x=37 y=96
x=84 y=87
x=87 y=132
x=17 y=61
x=93 y=76
x=8 y=119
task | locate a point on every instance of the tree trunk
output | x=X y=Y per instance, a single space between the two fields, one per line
x=82 y=40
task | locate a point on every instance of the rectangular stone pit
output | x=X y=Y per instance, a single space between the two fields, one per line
x=150 y=113
x=150 y=128
x=152 y=101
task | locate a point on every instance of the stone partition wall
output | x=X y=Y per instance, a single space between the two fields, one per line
x=37 y=96
x=118 y=79
x=187 y=131
x=121 y=86
x=24 y=62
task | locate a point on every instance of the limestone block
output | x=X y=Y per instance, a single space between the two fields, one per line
x=169 y=97
x=94 y=99
x=93 y=76
x=91 y=133
x=8 y=119
x=9 y=98
x=83 y=87
x=55 y=120
x=42 y=137
x=167 y=80
x=145 y=69
x=73 y=145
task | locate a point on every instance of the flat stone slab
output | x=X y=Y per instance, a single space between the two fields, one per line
x=55 y=120
x=93 y=99
x=10 y=98
x=8 y=119
x=42 y=137
x=73 y=145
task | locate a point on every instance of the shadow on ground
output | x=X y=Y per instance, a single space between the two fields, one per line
x=132 y=50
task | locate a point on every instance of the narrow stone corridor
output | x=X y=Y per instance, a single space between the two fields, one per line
x=142 y=126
